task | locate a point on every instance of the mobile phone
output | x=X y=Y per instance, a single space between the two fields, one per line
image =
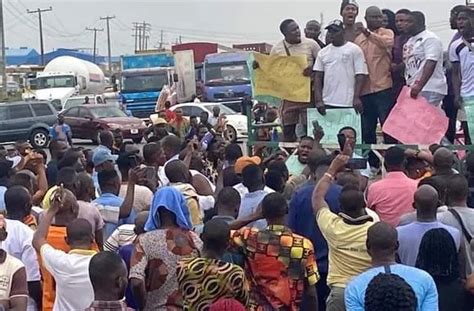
x=341 y=139
x=357 y=164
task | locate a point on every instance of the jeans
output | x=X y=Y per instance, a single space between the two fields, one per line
x=335 y=301
x=377 y=107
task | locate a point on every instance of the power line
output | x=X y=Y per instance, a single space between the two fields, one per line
x=39 y=12
x=107 y=20
x=95 y=30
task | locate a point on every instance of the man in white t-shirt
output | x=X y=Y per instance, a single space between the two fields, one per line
x=423 y=58
x=70 y=270
x=342 y=66
x=462 y=58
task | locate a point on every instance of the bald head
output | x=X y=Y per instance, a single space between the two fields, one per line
x=79 y=233
x=382 y=240
x=140 y=221
x=374 y=18
x=312 y=29
x=443 y=160
x=426 y=202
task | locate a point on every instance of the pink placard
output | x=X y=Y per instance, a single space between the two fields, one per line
x=415 y=121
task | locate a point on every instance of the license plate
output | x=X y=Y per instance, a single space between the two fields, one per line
x=134 y=131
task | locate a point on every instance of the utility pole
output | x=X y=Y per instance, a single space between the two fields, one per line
x=95 y=30
x=145 y=28
x=136 y=28
x=3 y=63
x=161 y=40
x=40 y=21
x=107 y=19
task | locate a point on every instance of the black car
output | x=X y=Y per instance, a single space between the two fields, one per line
x=27 y=121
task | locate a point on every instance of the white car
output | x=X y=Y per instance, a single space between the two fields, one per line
x=236 y=122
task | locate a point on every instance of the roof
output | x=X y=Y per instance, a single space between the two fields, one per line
x=23 y=51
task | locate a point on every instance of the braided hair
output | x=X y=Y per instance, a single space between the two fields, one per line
x=389 y=292
x=438 y=255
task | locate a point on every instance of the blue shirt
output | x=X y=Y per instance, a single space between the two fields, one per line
x=421 y=282
x=409 y=238
x=60 y=132
x=109 y=207
x=302 y=220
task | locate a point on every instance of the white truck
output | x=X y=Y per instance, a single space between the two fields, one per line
x=67 y=76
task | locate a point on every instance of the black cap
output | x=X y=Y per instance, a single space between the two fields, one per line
x=335 y=26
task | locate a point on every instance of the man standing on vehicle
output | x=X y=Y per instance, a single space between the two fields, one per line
x=293 y=113
x=60 y=131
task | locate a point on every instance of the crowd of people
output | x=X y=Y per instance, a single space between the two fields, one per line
x=188 y=222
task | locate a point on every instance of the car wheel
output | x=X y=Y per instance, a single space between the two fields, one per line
x=39 y=138
x=231 y=133
x=137 y=140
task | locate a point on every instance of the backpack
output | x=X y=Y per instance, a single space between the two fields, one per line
x=467 y=235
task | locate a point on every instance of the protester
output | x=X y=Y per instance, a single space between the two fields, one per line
x=61 y=131
x=293 y=113
x=382 y=244
x=194 y=274
x=340 y=65
x=301 y=219
x=296 y=163
x=461 y=217
x=14 y=294
x=410 y=236
x=280 y=262
x=254 y=181
x=180 y=124
x=376 y=42
x=389 y=292
x=69 y=270
x=398 y=66
x=462 y=76
x=423 y=57
x=126 y=234
x=108 y=276
x=154 y=260
x=345 y=233
x=438 y=255
x=171 y=146
x=204 y=120
x=193 y=128
x=349 y=11
x=313 y=31
x=57 y=149
x=392 y=196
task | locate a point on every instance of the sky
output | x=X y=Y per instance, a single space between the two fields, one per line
x=223 y=21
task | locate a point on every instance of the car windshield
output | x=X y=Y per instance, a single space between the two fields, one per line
x=224 y=109
x=145 y=83
x=107 y=112
x=227 y=74
x=74 y=102
x=53 y=82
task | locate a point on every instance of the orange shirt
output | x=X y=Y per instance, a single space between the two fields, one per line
x=57 y=239
x=377 y=50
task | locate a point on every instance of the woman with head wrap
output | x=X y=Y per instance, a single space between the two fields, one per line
x=168 y=238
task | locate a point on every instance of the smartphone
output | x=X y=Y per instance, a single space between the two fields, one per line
x=357 y=164
x=341 y=139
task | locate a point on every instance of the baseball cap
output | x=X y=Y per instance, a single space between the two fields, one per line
x=245 y=161
x=335 y=25
x=155 y=120
x=102 y=155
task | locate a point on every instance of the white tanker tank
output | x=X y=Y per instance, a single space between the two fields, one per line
x=67 y=76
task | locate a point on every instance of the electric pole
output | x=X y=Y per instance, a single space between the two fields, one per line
x=40 y=21
x=95 y=30
x=3 y=59
x=145 y=28
x=107 y=19
x=161 y=39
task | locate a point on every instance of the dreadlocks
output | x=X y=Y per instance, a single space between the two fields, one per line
x=389 y=292
x=438 y=255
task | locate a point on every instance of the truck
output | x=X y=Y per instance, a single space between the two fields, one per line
x=142 y=79
x=67 y=76
x=227 y=77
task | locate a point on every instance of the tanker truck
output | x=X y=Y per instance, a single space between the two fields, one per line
x=67 y=76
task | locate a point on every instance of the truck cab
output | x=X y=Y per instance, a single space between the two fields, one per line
x=142 y=79
x=56 y=87
x=226 y=77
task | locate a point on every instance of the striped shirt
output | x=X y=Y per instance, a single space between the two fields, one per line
x=123 y=235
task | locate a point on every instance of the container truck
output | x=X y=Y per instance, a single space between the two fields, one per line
x=226 y=77
x=67 y=76
x=142 y=79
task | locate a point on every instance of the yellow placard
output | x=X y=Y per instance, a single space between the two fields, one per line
x=282 y=77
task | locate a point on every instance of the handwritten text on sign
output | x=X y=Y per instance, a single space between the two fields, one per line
x=282 y=77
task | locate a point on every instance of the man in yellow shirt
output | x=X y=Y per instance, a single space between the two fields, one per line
x=345 y=233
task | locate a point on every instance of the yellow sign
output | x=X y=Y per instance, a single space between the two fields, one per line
x=282 y=77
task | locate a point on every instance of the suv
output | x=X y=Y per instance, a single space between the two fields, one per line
x=27 y=121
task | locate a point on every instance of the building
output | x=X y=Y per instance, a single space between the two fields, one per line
x=21 y=56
